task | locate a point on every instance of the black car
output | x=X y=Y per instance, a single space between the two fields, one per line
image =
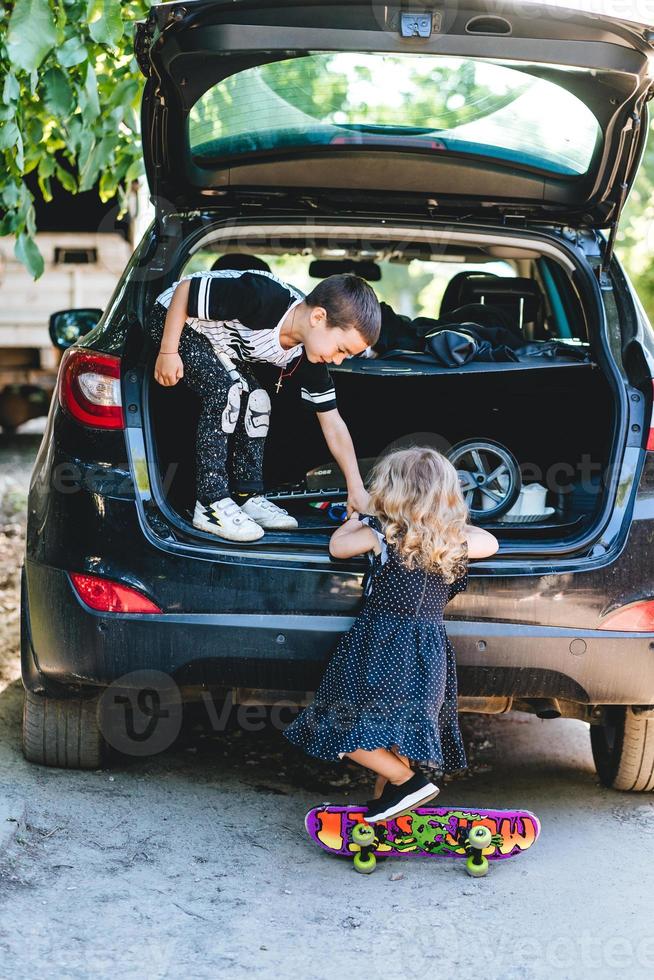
x=487 y=153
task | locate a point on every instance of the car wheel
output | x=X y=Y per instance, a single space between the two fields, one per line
x=489 y=475
x=62 y=732
x=623 y=750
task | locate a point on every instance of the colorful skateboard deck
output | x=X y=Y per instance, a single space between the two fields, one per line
x=478 y=836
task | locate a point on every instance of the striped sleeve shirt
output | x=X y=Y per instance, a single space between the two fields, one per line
x=241 y=314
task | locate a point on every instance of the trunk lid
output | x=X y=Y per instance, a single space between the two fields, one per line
x=478 y=109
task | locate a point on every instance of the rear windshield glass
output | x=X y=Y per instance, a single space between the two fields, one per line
x=418 y=101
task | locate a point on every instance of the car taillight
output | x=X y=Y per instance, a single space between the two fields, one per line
x=637 y=617
x=89 y=388
x=104 y=595
x=650 y=434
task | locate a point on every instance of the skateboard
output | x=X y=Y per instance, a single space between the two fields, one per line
x=477 y=836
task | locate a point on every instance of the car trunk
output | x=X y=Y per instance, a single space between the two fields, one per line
x=558 y=421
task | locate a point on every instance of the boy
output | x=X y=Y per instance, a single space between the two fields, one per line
x=209 y=326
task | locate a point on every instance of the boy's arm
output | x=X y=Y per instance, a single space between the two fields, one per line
x=338 y=438
x=168 y=367
x=176 y=318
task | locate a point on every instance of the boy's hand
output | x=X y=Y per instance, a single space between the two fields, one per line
x=168 y=369
x=358 y=500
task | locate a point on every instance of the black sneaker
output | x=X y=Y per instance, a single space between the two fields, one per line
x=396 y=800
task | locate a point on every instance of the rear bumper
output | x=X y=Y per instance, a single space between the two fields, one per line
x=69 y=646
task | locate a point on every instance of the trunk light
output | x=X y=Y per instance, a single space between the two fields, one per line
x=104 y=595
x=638 y=617
x=89 y=388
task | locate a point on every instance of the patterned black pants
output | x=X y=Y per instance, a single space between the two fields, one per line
x=231 y=428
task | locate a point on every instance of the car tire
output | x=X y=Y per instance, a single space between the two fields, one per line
x=623 y=750
x=62 y=732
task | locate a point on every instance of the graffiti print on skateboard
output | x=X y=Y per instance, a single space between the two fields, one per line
x=477 y=836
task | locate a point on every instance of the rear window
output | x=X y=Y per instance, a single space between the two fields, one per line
x=421 y=102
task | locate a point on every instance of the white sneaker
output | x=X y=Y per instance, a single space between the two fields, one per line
x=225 y=519
x=268 y=515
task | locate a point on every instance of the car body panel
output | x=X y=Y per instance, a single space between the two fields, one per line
x=290 y=651
x=185 y=49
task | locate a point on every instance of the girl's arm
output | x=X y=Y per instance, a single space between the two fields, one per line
x=338 y=438
x=353 y=538
x=168 y=368
x=481 y=544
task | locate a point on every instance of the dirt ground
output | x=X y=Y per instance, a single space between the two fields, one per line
x=195 y=863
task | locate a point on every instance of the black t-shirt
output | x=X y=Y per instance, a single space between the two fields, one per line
x=241 y=313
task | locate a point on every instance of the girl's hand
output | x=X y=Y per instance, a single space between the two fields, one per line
x=357 y=501
x=168 y=369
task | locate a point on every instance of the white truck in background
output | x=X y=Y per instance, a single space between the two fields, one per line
x=82 y=268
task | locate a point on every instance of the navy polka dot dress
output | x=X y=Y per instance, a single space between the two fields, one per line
x=392 y=678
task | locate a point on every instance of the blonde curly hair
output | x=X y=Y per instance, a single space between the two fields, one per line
x=416 y=495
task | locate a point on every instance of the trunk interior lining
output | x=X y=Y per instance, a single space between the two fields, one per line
x=558 y=424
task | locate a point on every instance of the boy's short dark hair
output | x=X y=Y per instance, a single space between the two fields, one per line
x=349 y=302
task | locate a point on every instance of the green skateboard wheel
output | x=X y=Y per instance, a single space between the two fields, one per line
x=480 y=837
x=363 y=834
x=476 y=868
x=364 y=863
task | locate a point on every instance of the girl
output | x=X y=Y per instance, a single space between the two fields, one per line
x=389 y=692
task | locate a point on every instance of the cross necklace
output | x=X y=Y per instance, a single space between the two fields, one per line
x=295 y=366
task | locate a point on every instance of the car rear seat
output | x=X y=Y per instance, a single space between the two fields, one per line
x=519 y=298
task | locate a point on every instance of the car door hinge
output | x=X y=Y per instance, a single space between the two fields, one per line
x=603 y=279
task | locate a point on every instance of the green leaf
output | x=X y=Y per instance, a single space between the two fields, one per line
x=31 y=34
x=9 y=224
x=27 y=252
x=66 y=179
x=85 y=144
x=34 y=131
x=91 y=92
x=58 y=93
x=11 y=89
x=135 y=170
x=10 y=195
x=124 y=93
x=129 y=119
x=20 y=157
x=72 y=52
x=44 y=187
x=108 y=185
x=105 y=22
x=98 y=159
x=30 y=219
x=46 y=166
x=31 y=162
x=9 y=135
x=61 y=22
